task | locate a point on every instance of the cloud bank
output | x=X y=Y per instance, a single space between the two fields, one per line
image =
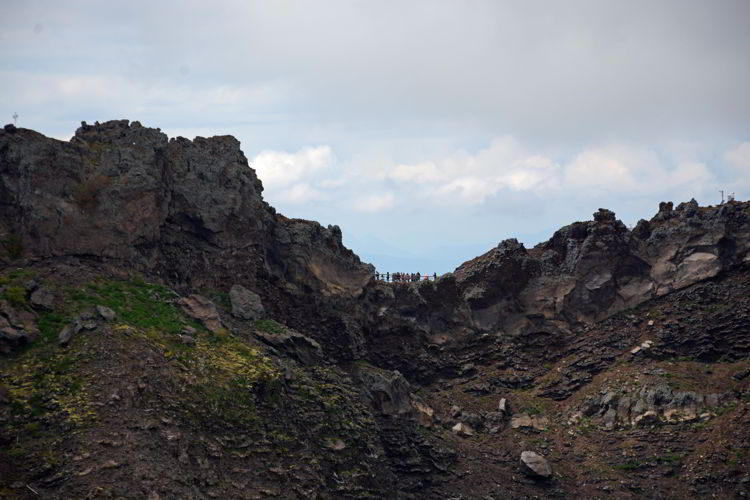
x=426 y=128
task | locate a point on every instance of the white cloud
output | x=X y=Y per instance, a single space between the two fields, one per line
x=278 y=169
x=375 y=202
x=739 y=157
x=419 y=172
x=299 y=193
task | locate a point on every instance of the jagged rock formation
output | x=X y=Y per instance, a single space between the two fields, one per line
x=190 y=211
x=586 y=272
x=166 y=334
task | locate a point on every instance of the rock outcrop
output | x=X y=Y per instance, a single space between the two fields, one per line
x=585 y=273
x=190 y=211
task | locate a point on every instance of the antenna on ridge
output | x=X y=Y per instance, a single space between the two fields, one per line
x=15 y=119
x=722 y=196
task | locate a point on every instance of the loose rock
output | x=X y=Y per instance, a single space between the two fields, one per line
x=535 y=465
x=42 y=298
x=200 y=308
x=463 y=429
x=106 y=313
x=245 y=304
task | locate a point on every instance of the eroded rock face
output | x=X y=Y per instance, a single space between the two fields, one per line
x=586 y=272
x=653 y=404
x=535 y=298
x=191 y=211
x=589 y=270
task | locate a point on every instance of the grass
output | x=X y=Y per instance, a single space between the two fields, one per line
x=137 y=303
x=49 y=324
x=47 y=382
x=655 y=314
x=16 y=295
x=630 y=466
x=669 y=459
x=536 y=407
x=14 y=291
x=269 y=326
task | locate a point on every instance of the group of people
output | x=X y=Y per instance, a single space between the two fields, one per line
x=403 y=277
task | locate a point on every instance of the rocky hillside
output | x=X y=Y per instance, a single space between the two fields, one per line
x=166 y=334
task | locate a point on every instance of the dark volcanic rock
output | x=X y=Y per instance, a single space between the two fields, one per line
x=245 y=304
x=189 y=210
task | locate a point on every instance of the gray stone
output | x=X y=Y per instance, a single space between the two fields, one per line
x=187 y=339
x=31 y=286
x=245 y=304
x=455 y=411
x=463 y=429
x=524 y=420
x=106 y=313
x=535 y=465
x=388 y=392
x=609 y=418
x=65 y=335
x=42 y=298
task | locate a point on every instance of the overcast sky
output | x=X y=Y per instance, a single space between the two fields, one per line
x=428 y=130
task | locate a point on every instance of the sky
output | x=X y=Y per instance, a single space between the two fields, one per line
x=429 y=131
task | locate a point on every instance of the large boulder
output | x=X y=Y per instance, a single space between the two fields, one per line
x=295 y=345
x=388 y=392
x=245 y=304
x=200 y=308
x=535 y=465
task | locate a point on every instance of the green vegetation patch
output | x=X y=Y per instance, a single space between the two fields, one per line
x=269 y=326
x=16 y=295
x=223 y=374
x=13 y=289
x=137 y=303
x=43 y=384
x=631 y=465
